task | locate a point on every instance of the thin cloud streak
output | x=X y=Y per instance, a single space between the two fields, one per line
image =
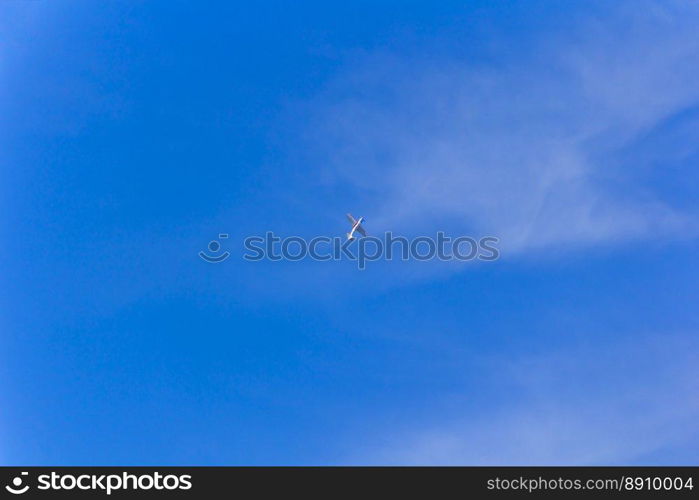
x=604 y=406
x=525 y=149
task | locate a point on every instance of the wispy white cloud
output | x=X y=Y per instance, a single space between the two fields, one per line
x=523 y=147
x=618 y=404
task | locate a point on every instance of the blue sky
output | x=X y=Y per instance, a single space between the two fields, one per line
x=133 y=133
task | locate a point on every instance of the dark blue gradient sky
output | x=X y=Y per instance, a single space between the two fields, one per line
x=133 y=133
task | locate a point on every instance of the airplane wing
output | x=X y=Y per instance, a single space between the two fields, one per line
x=351 y=219
x=360 y=230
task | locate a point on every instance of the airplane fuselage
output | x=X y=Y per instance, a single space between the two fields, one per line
x=350 y=235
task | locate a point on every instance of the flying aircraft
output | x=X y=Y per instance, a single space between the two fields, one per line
x=356 y=226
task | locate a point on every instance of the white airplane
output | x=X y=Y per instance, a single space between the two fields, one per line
x=356 y=226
